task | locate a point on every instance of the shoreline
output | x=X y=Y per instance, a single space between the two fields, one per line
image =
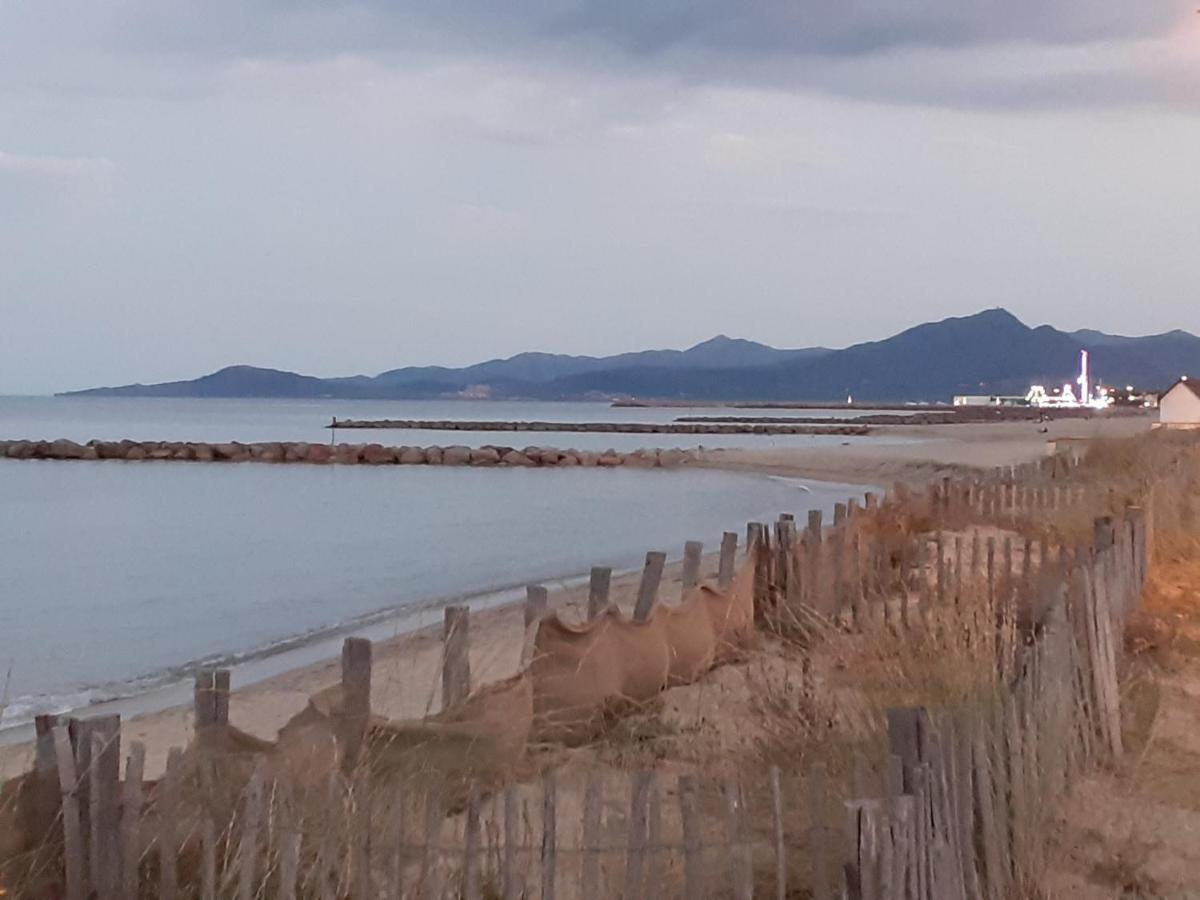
x=409 y=670
x=407 y=680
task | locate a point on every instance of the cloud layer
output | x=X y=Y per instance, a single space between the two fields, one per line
x=353 y=186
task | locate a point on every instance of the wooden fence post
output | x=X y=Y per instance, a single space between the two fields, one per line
x=729 y=543
x=456 y=655
x=168 y=827
x=549 y=836
x=131 y=822
x=599 y=585
x=693 y=862
x=692 y=553
x=47 y=799
x=741 y=869
x=76 y=873
x=537 y=603
x=252 y=819
x=647 y=594
x=641 y=783
x=356 y=698
x=781 y=867
x=104 y=781
x=592 y=826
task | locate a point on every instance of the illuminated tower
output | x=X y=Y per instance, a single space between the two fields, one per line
x=1085 y=390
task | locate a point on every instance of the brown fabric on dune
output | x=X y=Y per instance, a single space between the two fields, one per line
x=581 y=672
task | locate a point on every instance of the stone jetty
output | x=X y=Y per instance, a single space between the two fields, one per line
x=678 y=427
x=343 y=454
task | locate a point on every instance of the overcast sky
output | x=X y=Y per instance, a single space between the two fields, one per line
x=338 y=187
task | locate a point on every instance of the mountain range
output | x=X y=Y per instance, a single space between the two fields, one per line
x=990 y=352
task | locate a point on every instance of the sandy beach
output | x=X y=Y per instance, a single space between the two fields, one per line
x=407 y=666
x=937 y=450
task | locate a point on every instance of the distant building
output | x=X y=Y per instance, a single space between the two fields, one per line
x=988 y=400
x=1179 y=407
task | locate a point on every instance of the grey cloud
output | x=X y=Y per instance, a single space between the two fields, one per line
x=637 y=27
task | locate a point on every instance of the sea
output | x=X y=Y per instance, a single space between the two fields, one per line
x=119 y=579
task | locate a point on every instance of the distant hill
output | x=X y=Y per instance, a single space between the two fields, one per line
x=991 y=352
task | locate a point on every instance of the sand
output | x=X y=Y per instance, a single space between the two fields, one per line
x=407 y=667
x=406 y=675
x=940 y=449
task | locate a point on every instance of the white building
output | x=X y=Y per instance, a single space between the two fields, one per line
x=1180 y=406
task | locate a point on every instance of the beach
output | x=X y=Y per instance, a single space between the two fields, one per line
x=407 y=666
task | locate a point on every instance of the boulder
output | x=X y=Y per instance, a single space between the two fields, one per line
x=412 y=456
x=588 y=458
x=433 y=455
x=347 y=454
x=485 y=456
x=136 y=452
x=517 y=458
x=159 y=452
x=610 y=458
x=229 y=452
x=203 y=452
x=19 y=450
x=185 y=453
x=549 y=456
x=378 y=455
x=318 y=453
x=295 y=451
x=109 y=450
x=272 y=453
x=642 y=459
x=456 y=456
x=672 y=458
x=64 y=449
x=570 y=458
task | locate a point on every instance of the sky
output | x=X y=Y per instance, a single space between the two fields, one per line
x=339 y=187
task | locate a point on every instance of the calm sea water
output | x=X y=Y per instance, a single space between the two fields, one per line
x=153 y=419
x=117 y=576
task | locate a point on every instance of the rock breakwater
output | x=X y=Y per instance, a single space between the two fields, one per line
x=679 y=427
x=342 y=454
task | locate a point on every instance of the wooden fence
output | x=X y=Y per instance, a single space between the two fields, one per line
x=959 y=804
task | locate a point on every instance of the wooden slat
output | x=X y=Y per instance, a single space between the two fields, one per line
x=168 y=826
x=693 y=859
x=75 y=871
x=647 y=594
x=456 y=655
x=104 y=779
x=356 y=699
x=471 y=883
x=741 y=872
x=781 y=867
x=592 y=835
x=208 y=859
x=599 y=585
x=434 y=814
x=729 y=544
x=131 y=822
x=549 y=836
x=248 y=848
x=693 y=552
x=537 y=603
x=512 y=878
x=640 y=785
x=818 y=839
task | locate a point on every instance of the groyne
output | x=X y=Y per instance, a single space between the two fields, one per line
x=679 y=427
x=343 y=454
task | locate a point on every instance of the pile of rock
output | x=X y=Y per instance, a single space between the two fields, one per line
x=679 y=427
x=343 y=454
